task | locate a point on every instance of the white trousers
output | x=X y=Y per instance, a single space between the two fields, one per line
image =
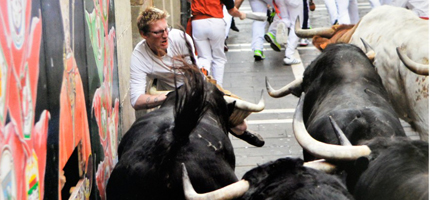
x=332 y=10
x=420 y=7
x=348 y=11
x=209 y=36
x=289 y=11
x=259 y=27
x=227 y=19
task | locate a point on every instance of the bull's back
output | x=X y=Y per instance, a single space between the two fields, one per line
x=385 y=28
x=150 y=162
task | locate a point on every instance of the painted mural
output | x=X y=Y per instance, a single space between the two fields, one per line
x=63 y=50
x=22 y=140
x=74 y=128
x=102 y=40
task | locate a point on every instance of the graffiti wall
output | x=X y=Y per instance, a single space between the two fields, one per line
x=59 y=98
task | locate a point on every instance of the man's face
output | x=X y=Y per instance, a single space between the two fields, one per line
x=157 y=35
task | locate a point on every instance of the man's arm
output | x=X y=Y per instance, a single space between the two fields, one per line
x=238 y=3
x=236 y=13
x=146 y=101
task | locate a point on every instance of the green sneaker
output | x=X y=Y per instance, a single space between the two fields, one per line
x=270 y=15
x=258 y=55
x=270 y=38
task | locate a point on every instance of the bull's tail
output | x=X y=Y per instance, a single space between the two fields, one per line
x=190 y=104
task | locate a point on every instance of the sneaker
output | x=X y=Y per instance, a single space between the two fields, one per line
x=291 y=61
x=281 y=34
x=251 y=138
x=270 y=38
x=258 y=55
x=270 y=15
x=303 y=42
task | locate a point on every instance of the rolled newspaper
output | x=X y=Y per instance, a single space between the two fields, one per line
x=258 y=16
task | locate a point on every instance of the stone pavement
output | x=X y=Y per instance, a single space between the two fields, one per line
x=246 y=78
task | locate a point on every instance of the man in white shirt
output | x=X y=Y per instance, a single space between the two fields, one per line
x=153 y=59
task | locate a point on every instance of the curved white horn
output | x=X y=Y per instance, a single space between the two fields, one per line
x=231 y=191
x=308 y=33
x=370 y=53
x=152 y=89
x=321 y=165
x=417 y=68
x=244 y=105
x=286 y=90
x=343 y=140
x=320 y=149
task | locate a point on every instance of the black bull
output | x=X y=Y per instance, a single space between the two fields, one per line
x=341 y=86
x=342 y=83
x=190 y=127
x=285 y=178
x=390 y=166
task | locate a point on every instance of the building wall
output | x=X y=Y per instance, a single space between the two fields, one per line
x=124 y=49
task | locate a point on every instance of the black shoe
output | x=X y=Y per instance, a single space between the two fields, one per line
x=233 y=26
x=251 y=138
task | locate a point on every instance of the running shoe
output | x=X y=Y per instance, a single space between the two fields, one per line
x=258 y=55
x=291 y=61
x=270 y=38
x=303 y=42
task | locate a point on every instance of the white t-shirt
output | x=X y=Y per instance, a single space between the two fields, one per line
x=145 y=65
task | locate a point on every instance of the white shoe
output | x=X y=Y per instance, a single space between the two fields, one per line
x=291 y=61
x=281 y=33
x=303 y=42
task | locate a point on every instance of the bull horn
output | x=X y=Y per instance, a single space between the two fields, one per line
x=321 y=165
x=415 y=67
x=343 y=140
x=309 y=33
x=370 y=53
x=244 y=105
x=231 y=191
x=320 y=149
x=153 y=89
x=286 y=90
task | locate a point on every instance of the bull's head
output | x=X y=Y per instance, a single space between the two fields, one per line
x=242 y=108
x=295 y=87
x=238 y=189
x=320 y=149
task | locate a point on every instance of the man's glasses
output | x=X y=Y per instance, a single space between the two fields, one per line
x=159 y=33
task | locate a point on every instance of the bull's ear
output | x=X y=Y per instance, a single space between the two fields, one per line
x=361 y=163
x=320 y=42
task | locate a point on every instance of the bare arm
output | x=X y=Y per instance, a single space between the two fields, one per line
x=236 y=13
x=146 y=101
x=238 y=3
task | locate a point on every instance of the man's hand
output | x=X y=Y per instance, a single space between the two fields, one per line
x=242 y=16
